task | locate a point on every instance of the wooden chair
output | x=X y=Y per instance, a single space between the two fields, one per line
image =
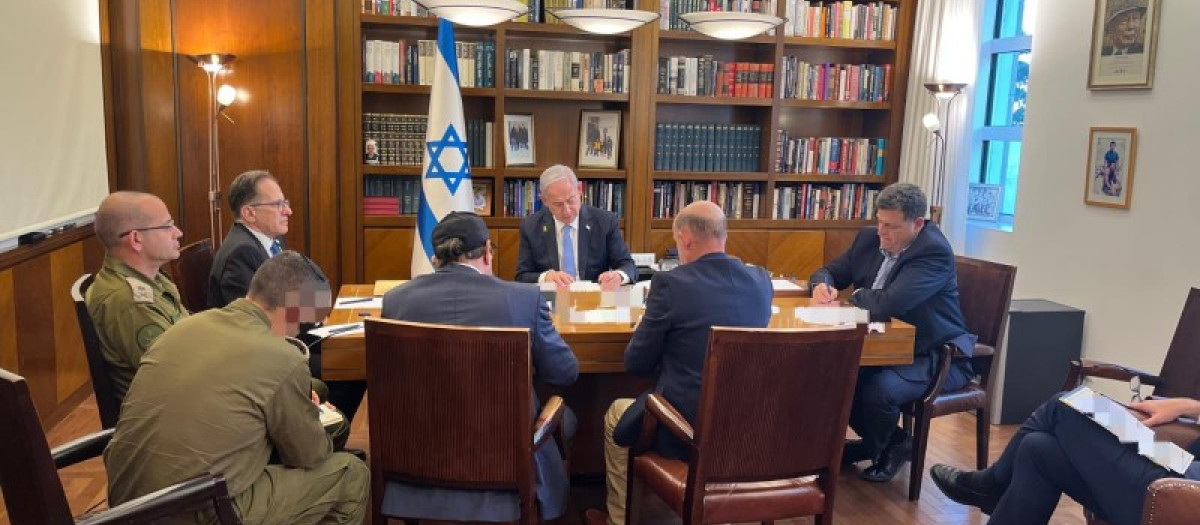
x=450 y=407
x=984 y=291
x=1179 y=377
x=767 y=443
x=33 y=493
x=190 y=273
x=106 y=396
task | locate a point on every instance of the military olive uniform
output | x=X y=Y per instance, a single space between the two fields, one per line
x=130 y=311
x=219 y=393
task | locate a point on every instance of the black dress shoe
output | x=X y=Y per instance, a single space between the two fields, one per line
x=854 y=452
x=890 y=460
x=962 y=487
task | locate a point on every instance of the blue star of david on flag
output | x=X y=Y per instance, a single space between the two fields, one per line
x=437 y=169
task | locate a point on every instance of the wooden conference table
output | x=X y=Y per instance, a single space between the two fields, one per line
x=600 y=349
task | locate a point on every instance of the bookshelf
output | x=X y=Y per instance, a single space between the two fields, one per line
x=754 y=121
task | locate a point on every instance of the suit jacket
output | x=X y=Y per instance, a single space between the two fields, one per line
x=922 y=290
x=600 y=247
x=234 y=265
x=457 y=294
x=672 y=338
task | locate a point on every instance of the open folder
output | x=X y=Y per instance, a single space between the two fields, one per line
x=1117 y=419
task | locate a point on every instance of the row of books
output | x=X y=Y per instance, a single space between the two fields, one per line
x=385 y=196
x=521 y=197
x=399 y=140
x=669 y=10
x=394 y=8
x=858 y=82
x=841 y=19
x=739 y=200
x=551 y=70
x=707 y=77
x=404 y=62
x=830 y=155
x=818 y=202
x=697 y=146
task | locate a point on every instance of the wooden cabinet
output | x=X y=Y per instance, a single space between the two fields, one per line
x=762 y=229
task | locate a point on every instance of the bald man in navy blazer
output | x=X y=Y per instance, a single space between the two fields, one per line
x=600 y=252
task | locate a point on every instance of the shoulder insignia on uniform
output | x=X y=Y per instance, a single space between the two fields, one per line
x=147 y=334
x=142 y=292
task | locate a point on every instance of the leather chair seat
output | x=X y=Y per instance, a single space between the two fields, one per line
x=965 y=399
x=732 y=502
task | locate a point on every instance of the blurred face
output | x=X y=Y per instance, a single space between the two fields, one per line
x=563 y=200
x=158 y=239
x=269 y=212
x=895 y=233
x=1126 y=28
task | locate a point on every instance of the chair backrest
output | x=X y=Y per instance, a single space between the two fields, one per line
x=190 y=273
x=451 y=407
x=106 y=396
x=1183 y=356
x=33 y=493
x=774 y=403
x=984 y=293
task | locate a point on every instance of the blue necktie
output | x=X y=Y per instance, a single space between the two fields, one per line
x=276 y=248
x=568 y=252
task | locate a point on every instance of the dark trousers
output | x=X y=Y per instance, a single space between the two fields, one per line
x=878 y=396
x=1059 y=450
x=347 y=396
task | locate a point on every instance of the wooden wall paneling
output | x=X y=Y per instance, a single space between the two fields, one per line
x=320 y=55
x=658 y=241
x=749 y=246
x=269 y=124
x=508 y=246
x=639 y=134
x=93 y=255
x=387 y=253
x=349 y=72
x=8 y=323
x=140 y=74
x=35 y=331
x=70 y=360
x=837 y=242
x=795 y=253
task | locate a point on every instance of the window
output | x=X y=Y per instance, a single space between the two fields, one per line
x=999 y=119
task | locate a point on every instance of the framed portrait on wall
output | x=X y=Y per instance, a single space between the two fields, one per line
x=983 y=201
x=1111 y=156
x=1124 y=37
x=482 y=196
x=599 y=139
x=518 y=140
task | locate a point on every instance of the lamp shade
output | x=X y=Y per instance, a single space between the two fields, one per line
x=213 y=62
x=605 y=21
x=475 y=13
x=730 y=25
x=931 y=122
x=945 y=90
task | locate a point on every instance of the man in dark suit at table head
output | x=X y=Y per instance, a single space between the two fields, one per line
x=567 y=240
x=463 y=291
x=902 y=268
x=711 y=288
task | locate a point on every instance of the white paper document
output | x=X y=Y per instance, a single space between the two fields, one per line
x=832 y=315
x=335 y=330
x=329 y=417
x=783 y=285
x=602 y=315
x=1115 y=418
x=359 y=302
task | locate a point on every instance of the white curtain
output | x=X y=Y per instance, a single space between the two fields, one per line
x=945 y=48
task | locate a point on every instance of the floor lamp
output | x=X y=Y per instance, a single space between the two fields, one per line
x=214 y=64
x=938 y=123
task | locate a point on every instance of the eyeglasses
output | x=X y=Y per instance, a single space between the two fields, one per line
x=571 y=201
x=170 y=224
x=279 y=204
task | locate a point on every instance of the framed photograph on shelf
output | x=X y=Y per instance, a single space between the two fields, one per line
x=599 y=139
x=482 y=189
x=1124 y=37
x=983 y=201
x=1111 y=156
x=518 y=140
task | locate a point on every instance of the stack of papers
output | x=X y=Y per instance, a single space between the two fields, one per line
x=832 y=315
x=602 y=315
x=1116 y=419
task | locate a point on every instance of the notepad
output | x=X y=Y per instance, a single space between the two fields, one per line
x=335 y=330
x=358 y=302
x=832 y=315
x=1116 y=419
x=601 y=315
x=329 y=417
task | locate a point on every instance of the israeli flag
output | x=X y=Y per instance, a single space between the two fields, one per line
x=446 y=184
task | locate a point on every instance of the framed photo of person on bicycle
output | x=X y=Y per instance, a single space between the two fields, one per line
x=599 y=139
x=1111 y=155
